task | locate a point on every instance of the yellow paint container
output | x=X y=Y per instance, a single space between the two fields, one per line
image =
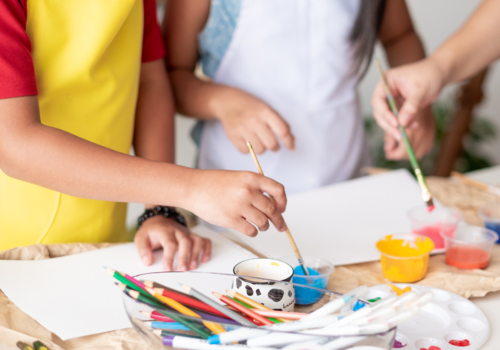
x=405 y=258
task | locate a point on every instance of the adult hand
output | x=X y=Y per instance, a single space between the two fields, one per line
x=414 y=87
x=246 y=118
x=230 y=198
x=421 y=138
x=160 y=232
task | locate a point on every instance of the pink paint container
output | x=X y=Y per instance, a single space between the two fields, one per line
x=439 y=222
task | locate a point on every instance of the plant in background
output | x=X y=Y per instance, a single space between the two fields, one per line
x=471 y=158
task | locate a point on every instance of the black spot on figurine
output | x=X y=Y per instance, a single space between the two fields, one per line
x=289 y=293
x=238 y=283
x=275 y=294
x=249 y=290
x=257 y=292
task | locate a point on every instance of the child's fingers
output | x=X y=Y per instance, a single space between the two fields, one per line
x=197 y=248
x=169 y=245
x=264 y=204
x=257 y=145
x=281 y=128
x=382 y=122
x=267 y=137
x=274 y=189
x=411 y=106
x=185 y=246
x=257 y=218
x=207 y=250
x=143 y=245
x=381 y=107
x=243 y=226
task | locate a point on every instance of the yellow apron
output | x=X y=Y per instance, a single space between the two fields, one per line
x=87 y=57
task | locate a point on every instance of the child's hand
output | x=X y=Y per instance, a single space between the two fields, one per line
x=230 y=198
x=246 y=118
x=421 y=136
x=160 y=232
x=414 y=87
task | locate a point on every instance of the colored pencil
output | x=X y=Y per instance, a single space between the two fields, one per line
x=120 y=277
x=188 y=301
x=214 y=327
x=164 y=333
x=243 y=309
x=207 y=300
x=38 y=345
x=134 y=294
x=192 y=325
x=251 y=302
x=288 y=233
x=155 y=315
x=281 y=314
x=166 y=325
x=274 y=320
x=426 y=194
x=23 y=346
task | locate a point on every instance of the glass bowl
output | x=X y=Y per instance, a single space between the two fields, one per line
x=207 y=283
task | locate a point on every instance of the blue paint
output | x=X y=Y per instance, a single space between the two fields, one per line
x=306 y=296
x=358 y=305
x=494 y=226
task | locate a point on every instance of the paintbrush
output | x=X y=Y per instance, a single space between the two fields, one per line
x=426 y=194
x=482 y=186
x=288 y=234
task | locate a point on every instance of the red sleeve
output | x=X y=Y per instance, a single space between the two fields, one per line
x=152 y=44
x=17 y=74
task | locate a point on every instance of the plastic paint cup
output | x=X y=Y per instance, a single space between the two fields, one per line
x=490 y=214
x=319 y=272
x=469 y=247
x=432 y=224
x=404 y=258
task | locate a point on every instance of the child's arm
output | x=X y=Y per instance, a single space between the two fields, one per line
x=154 y=140
x=402 y=45
x=244 y=117
x=49 y=157
x=469 y=50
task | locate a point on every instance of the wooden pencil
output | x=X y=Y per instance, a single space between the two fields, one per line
x=214 y=327
x=243 y=309
x=164 y=333
x=188 y=301
x=134 y=294
x=251 y=302
x=288 y=233
x=275 y=320
x=192 y=325
x=231 y=314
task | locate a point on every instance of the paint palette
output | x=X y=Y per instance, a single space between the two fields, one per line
x=448 y=317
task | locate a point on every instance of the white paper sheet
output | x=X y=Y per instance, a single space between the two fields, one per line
x=341 y=223
x=74 y=296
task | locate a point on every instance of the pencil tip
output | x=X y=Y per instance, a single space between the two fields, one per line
x=231 y=292
x=186 y=288
x=218 y=295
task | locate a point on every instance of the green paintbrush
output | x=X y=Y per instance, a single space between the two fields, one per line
x=426 y=194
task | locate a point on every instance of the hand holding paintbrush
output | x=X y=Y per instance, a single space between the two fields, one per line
x=288 y=234
x=426 y=195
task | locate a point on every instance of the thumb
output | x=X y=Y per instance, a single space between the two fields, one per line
x=143 y=245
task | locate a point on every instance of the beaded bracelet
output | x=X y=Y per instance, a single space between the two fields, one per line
x=167 y=212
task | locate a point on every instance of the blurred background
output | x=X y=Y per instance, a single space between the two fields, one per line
x=475 y=141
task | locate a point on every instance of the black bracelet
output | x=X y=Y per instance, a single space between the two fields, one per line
x=167 y=212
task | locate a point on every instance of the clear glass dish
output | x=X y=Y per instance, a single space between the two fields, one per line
x=207 y=283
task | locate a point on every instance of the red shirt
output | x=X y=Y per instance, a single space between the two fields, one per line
x=17 y=74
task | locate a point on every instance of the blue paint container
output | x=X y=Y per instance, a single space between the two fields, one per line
x=319 y=272
x=490 y=214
